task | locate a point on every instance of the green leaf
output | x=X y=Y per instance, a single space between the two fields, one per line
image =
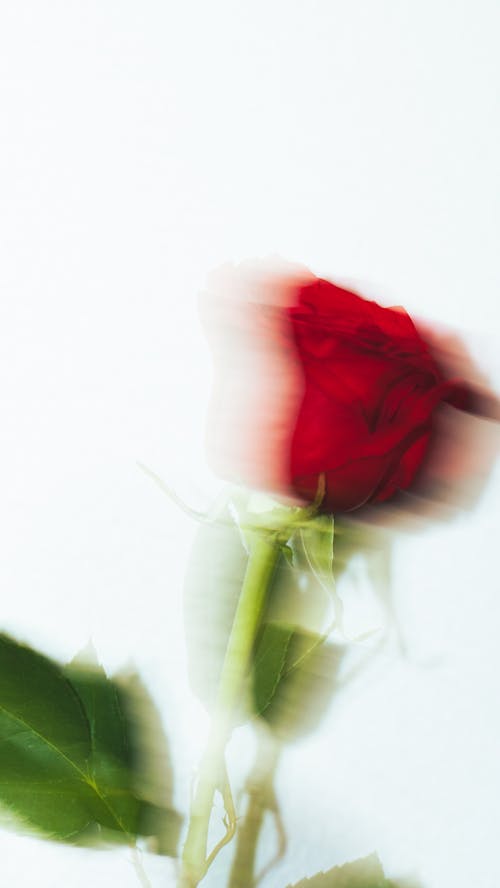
x=45 y=743
x=66 y=762
x=317 y=539
x=129 y=754
x=293 y=679
x=312 y=546
x=365 y=873
x=269 y=663
x=212 y=589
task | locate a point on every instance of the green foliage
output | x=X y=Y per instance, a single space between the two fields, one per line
x=293 y=670
x=365 y=873
x=293 y=679
x=269 y=663
x=67 y=765
x=314 y=543
x=212 y=588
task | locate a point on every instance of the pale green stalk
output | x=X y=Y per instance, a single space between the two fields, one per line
x=264 y=552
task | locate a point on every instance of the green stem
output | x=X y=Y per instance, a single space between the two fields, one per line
x=260 y=800
x=261 y=563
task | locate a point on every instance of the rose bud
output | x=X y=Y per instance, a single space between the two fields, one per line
x=316 y=385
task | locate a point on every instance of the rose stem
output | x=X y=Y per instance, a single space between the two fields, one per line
x=262 y=559
x=261 y=798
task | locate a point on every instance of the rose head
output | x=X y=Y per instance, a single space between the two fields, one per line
x=371 y=389
x=326 y=385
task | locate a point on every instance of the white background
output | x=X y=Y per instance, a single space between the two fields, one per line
x=143 y=144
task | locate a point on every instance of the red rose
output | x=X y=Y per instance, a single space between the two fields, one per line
x=324 y=383
x=371 y=390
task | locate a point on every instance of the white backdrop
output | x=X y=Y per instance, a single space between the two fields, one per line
x=143 y=144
